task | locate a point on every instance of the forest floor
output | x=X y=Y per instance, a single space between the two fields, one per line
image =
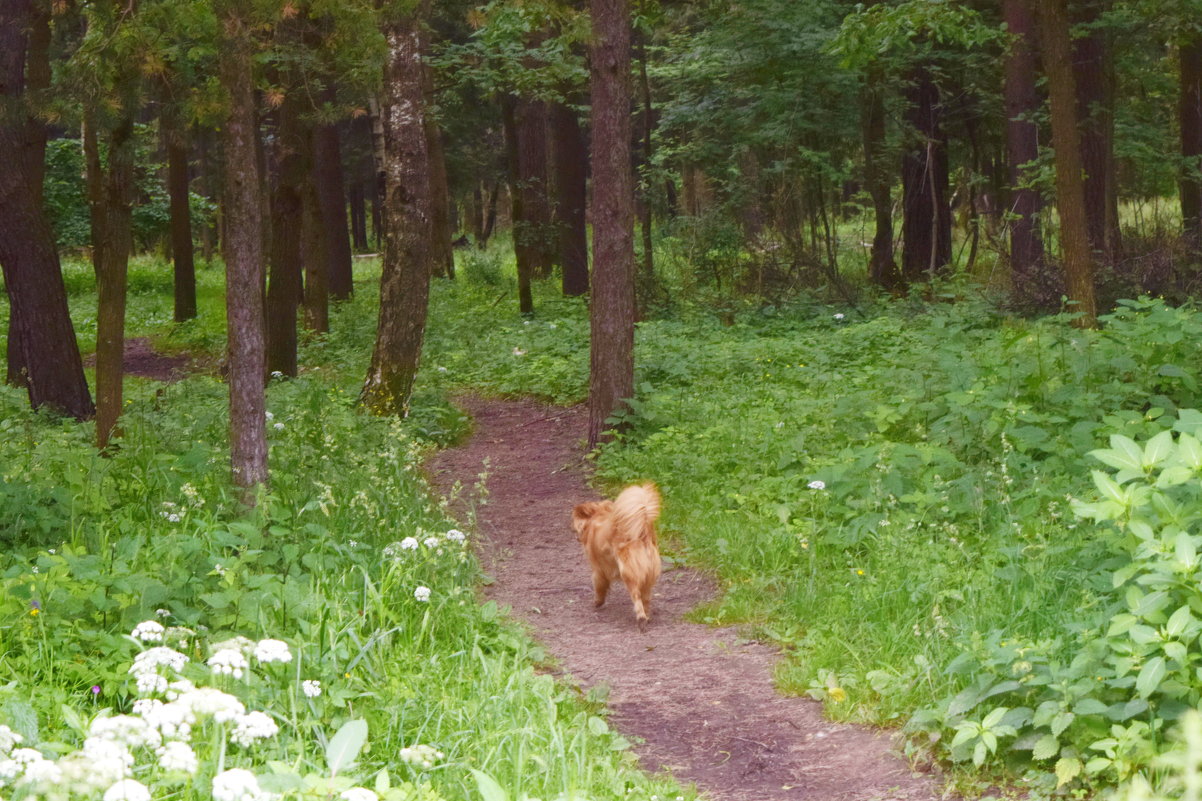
x=698 y=700
x=142 y=360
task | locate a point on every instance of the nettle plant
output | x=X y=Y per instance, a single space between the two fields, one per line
x=1101 y=718
x=193 y=733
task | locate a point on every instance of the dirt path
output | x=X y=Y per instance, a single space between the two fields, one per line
x=700 y=698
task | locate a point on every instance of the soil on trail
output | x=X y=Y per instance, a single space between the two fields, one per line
x=141 y=359
x=701 y=699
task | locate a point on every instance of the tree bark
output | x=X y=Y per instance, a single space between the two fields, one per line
x=242 y=247
x=612 y=307
x=1189 y=112
x=110 y=202
x=327 y=175
x=647 y=120
x=357 y=199
x=1094 y=81
x=570 y=153
x=882 y=267
x=523 y=253
x=1070 y=188
x=405 y=280
x=46 y=356
x=184 y=267
x=442 y=254
x=1022 y=103
x=287 y=231
x=490 y=216
x=926 y=223
x=316 y=287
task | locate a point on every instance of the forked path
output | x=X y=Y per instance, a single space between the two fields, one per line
x=701 y=699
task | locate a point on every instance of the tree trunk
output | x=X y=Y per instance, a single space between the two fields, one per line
x=647 y=120
x=926 y=223
x=316 y=287
x=1070 y=188
x=287 y=231
x=1094 y=80
x=327 y=175
x=1022 y=103
x=33 y=160
x=570 y=153
x=611 y=312
x=110 y=202
x=442 y=254
x=357 y=199
x=1189 y=111
x=405 y=280
x=523 y=253
x=43 y=353
x=242 y=247
x=184 y=267
x=882 y=267
x=490 y=216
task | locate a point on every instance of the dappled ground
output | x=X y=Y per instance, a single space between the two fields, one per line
x=701 y=699
x=142 y=360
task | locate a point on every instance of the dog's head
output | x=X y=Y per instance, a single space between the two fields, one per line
x=586 y=514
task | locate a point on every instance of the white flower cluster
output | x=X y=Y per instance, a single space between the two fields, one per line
x=252 y=727
x=148 y=631
x=126 y=730
x=228 y=662
x=177 y=757
x=817 y=485
x=145 y=668
x=455 y=535
x=8 y=739
x=422 y=594
x=422 y=756
x=359 y=794
x=431 y=542
x=311 y=688
x=237 y=784
x=272 y=651
x=127 y=790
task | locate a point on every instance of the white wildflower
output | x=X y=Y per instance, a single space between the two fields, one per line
x=173 y=720
x=26 y=756
x=269 y=416
x=278 y=426
x=148 y=631
x=441 y=369
x=43 y=772
x=423 y=756
x=422 y=593
x=431 y=542
x=311 y=688
x=252 y=727
x=817 y=485
x=151 y=659
x=211 y=702
x=125 y=730
x=839 y=316
x=359 y=794
x=150 y=683
x=455 y=535
x=236 y=784
x=409 y=544
x=178 y=757
x=163 y=612
x=272 y=651
x=228 y=662
x=8 y=739
x=9 y=770
x=519 y=352
x=127 y=790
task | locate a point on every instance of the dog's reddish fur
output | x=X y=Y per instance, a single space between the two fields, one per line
x=620 y=542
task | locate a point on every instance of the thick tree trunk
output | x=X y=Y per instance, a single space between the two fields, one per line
x=926 y=223
x=532 y=176
x=316 y=287
x=490 y=216
x=327 y=175
x=287 y=230
x=1094 y=81
x=242 y=247
x=611 y=312
x=647 y=121
x=357 y=199
x=571 y=176
x=184 y=267
x=882 y=267
x=523 y=253
x=110 y=202
x=1022 y=103
x=46 y=356
x=1189 y=113
x=1070 y=189
x=405 y=281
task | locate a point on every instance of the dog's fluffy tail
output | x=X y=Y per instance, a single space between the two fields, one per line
x=635 y=511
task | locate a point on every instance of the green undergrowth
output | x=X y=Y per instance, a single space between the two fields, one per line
x=424 y=692
x=888 y=493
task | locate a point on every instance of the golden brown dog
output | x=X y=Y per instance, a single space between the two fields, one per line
x=620 y=542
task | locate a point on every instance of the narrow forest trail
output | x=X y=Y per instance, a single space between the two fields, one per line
x=701 y=699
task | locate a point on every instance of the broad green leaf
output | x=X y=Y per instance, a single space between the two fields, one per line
x=1062 y=722
x=1109 y=489
x=345 y=745
x=1046 y=748
x=1090 y=706
x=1096 y=765
x=1142 y=635
x=1150 y=676
x=964 y=733
x=1189 y=451
x=488 y=787
x=993 y=718
x=1180 y=620
x=1157 y=449
x=1067 y=769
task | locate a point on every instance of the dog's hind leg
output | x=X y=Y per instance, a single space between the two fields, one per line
x=637 y=598
x=600 y=587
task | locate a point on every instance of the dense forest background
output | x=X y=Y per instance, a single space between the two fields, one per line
x=913 y=285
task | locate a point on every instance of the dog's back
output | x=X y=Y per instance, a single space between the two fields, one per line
x=635 y=511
